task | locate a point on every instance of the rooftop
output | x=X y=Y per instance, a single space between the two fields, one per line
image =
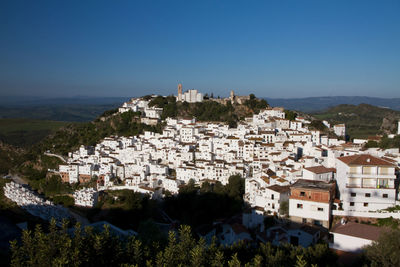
x=311 y=184
x=358 y=230
x=320 y=169
x=365 y=160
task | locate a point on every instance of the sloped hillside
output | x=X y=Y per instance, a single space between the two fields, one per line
x=362 y=120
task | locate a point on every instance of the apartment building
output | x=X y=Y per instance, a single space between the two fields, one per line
x=365 y=182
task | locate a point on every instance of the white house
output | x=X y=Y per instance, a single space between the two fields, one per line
x=339 y=129
x=297 y=235
x=352 y=237
x=275 y=195
x=311 y=202
x=365 y=182
x=319 y=173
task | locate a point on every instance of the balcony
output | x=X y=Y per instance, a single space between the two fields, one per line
x=368 y=186
x=370 y=175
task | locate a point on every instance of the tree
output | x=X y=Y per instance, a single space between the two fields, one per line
x=371 y=144
x=206 y=187
x=235 y=186
x=256 y=104
x=87 y=247
x=218 y=260
x=149 y=232
x=284 y=208
x=384 y=251
x=290 y=115
x=190 y=187
x=234 y=262
x=317 y=125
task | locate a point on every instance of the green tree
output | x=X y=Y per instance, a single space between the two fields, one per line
x=317 y=125
x=290 y=115
x=384 y=251
x=206 y=187
x=190 y=187
x=371 y=144
x=234 y=262
x=235 y=187
x=218 y=260
x=284 y=208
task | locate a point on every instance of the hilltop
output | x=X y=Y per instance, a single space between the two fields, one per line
x=64 y=137
x=362 y=120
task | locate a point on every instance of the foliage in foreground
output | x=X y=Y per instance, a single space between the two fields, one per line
x=201 y=206
x=385 y=251
x=89 y=248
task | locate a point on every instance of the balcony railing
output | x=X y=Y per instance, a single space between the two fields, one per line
x=369 y=186
x=370 y=175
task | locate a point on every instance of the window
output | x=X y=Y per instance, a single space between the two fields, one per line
x=320 y=209
x=367 y=195
x=299 y=206
x=316 y=222
x=365 y=204
x=385 y=196
x=272 y=196
x=304 y=220
x=353 y=194
x=352 y=204
x=302 y=194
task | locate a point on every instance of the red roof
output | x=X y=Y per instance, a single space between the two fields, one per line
x=365 y=160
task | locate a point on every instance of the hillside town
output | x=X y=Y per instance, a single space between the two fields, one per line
x=301 y=177
x=290 y=170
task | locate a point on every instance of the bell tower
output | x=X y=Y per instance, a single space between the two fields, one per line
x=180 y=92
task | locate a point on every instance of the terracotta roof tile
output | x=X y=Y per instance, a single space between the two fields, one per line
x=365 y=160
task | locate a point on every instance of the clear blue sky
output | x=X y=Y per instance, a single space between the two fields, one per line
x=130 y=48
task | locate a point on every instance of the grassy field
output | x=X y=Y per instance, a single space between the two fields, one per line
x=23 y=132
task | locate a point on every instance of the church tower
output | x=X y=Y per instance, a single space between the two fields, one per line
x=232 y=97
x=179 y=92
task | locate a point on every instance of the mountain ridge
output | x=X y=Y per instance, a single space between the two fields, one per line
x=314 y=104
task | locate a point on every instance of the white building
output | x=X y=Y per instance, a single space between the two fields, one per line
x=86 y=197
x=275 y=195
x=190 y=96
x=311 y=202
x=339 y=130
x=299 y=235
x=398 y=128
x=353 y=237
x=319 y=173
x=365 y=182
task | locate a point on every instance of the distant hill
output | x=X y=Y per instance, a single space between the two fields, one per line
x=88 y=108
x=72 y=109
x=62 y=112
x=362 y=120
x=25 y=132
x=32 y=101
x=313 y=104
